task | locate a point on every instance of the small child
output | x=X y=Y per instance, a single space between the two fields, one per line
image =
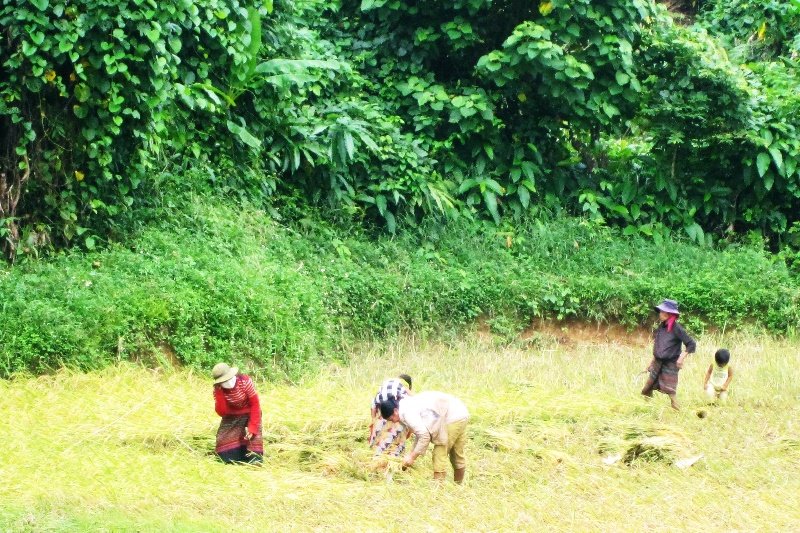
x=719 y=376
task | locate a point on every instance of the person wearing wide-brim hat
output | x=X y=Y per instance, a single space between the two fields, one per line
x=239 y=438
x=668 y=359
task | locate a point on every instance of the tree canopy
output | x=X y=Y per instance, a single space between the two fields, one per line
x=388 y=112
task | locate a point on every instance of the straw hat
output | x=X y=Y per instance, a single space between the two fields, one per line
x=222 y=372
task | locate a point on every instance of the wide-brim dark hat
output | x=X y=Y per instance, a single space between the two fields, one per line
x=668 y=306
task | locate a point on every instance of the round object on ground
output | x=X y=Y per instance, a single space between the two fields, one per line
x=702 y=413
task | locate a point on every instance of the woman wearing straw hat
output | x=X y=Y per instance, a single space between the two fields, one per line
x=239 y=438
x=667 y=357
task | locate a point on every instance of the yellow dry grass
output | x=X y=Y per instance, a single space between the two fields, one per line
x=128 y=449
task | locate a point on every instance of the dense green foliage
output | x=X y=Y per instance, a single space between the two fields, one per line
x=389 y=113
x=402 y=163
x=209 y=283
x=605 y=108
x=85 y=103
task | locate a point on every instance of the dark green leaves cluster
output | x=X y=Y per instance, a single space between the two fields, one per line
x=387 y=111
x=86 y=99
x=608 y=109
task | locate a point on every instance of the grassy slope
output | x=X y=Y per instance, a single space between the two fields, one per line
x=212 y=280
x=127 y=448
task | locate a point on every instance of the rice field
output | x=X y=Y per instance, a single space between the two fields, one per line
x=559 y=440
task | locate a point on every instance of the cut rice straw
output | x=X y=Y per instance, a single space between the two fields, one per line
x=129 y=448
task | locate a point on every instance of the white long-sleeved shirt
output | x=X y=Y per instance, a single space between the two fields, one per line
x=427 y=414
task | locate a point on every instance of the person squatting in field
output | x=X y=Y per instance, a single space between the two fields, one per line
x=719 y=376
x=667 y=357
x=239 y=437
x=433 y=416
x=385 y=436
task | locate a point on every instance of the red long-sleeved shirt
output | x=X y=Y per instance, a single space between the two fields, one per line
x=242 y=399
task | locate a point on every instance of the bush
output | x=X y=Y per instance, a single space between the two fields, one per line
x=211 y=283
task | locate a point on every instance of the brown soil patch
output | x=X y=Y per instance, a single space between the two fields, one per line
x=574 y=333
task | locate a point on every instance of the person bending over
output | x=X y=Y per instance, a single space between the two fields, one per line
x=239 y=437
x=433 y=416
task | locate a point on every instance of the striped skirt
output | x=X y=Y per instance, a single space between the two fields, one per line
x=664 y=375
x=232 y=445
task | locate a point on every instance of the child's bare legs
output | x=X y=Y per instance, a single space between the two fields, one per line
x=714 y=394
x=711 y=392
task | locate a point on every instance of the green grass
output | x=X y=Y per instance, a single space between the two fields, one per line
x=214 y=279
x=127 y=448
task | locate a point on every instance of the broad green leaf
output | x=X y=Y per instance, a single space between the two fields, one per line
x=769 y=181
x=621 y=209
x=342 y=148
x=528 y=169
x=491 y=204
x=244 y=135
x=367 y=140
x=391 y=223
x=41 y=5
x=296 y=160
x=349 y=144
x=622 y=78
x=281 y=66
x=255 y=40
x=672 y=190
x=791 y=166
x=777 y=156
x=695 y=233
x=494 y=186
x=628 y=192
x=524 y=196
x=762 y=163
x=610 y=110
x=380 y=201
x=466 y=185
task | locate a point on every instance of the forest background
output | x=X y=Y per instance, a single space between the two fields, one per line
x=183 y=181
